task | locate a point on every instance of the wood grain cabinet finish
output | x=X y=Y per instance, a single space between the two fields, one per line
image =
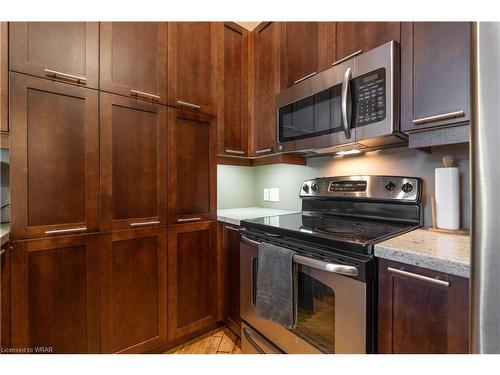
x=192 y=278
x=133 y=153
x=233 y=126
x=5 y=313
x=65 y=51
x=134 y=290
x=4 y=79
x=266 y=61
x=55 y=294
x=231 y=254
x=133 y=59
x=421 y=316
x=435 y=71
x=191 y=167
x=54 y=158
x=192 y=66
x=353 y=37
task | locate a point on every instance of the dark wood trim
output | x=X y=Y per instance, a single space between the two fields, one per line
x=4 y=78
x=5 y=307
x=228 y=160
x=279 y=159
x=4 y=140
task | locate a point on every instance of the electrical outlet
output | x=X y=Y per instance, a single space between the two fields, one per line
x=266 y=194
x=274 y=194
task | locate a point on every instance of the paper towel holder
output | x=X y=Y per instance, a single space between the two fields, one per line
x=459 y=232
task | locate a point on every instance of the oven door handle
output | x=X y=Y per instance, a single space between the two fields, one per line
x=340 y=269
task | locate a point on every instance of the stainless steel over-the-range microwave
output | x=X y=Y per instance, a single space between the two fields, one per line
x=354 y=105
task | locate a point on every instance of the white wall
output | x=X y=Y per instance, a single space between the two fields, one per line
x=235 y=186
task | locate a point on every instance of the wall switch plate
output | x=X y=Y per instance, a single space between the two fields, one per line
x=266 y=194
x=274 y=194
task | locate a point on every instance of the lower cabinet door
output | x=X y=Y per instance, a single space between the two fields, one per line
x=231 y=249
x=192 y=278
x=55 y=295
x=4 y=297
x=134 y=290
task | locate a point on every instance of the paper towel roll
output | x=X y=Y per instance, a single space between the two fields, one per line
x=447 y=181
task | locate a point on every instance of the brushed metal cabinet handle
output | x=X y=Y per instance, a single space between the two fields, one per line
x=305 y=77
x=347 y=57
x=238 y=152
x=144 y=223
x=443 y=116
x=419 y=277
x=188 y=219
x=232 y=228
x=56 y=74
x=144 y=94
x=189 y=105
x=67 y=230
x=263 y=151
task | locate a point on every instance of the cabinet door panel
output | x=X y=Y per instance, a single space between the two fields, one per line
x=232 y=279
x=133 y=163
x=233 y=131
x=435 y=71
x=55 y=294
x=266 y=86
x=364 y=36
x=5 y=309
x=134 y=290
x=192 y=278
x=70 y=48
x=192 y=61
x=191 y=167
x=134 y=57
x=4 y=74
x=55 y=157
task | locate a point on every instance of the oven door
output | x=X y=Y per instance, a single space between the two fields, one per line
x=332 y=311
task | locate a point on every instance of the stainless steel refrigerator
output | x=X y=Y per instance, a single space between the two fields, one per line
x=485 y=158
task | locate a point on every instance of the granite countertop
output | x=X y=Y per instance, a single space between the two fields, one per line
x=435 y=251
x=235 y=215
x=4 y=232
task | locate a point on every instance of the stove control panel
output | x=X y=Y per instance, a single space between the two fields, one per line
x=393 y=188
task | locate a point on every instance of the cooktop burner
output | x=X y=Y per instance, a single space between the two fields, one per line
x=339 y=231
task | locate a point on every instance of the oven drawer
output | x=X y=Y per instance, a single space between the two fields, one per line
x=252 y=342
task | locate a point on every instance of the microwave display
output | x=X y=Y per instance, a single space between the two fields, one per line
x=369 y=97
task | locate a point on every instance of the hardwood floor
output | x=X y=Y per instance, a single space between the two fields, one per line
x=218 y=341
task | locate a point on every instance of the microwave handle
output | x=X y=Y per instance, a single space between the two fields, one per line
x=346 y=103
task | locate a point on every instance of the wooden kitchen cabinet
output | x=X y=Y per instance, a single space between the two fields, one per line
x=65 y=51
x=192 y=171
x=421 y=311
x=233 y=126
x=231 y=255
x=133 y=60
x=54 y=158
x=4 y=77
x=134 y=290
x=435 y=75
x=133 y=153
x=5 y=314
x=266 y=60
x=192 y=66
x=55 y=294
x=364 y=36
x=192 y=278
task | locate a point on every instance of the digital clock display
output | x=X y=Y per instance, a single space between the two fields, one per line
x=371 y=77
x=347 y=186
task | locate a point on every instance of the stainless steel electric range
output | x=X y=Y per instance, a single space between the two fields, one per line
x=341 y=220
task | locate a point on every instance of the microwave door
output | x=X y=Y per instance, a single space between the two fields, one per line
x=375 y=93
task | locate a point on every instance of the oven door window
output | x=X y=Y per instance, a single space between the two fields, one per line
x=311 y=116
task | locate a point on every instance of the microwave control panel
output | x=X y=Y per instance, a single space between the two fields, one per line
x=369 y=97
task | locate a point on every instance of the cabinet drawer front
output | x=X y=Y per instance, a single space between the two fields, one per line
x=133 y=290
x=191 y=167
x=55 y=158
x=133 y=163
x=66 y=51
x=55 y=294
x=133 y=59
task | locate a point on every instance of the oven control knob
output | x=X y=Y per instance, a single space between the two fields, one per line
x=314 y=186
x=390 y=186
x=407 y=188
x=305 y=187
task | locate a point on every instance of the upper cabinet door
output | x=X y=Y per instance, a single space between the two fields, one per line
x=266 y=86
x=300 y=46
x=191 y=167
x=358 y=37
x=133 y=59
x=54 y=158
x=133 y=163
x=435 y=72
x=65 y=51
x=233 y=129
x=192 y=66
x=4 y=72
